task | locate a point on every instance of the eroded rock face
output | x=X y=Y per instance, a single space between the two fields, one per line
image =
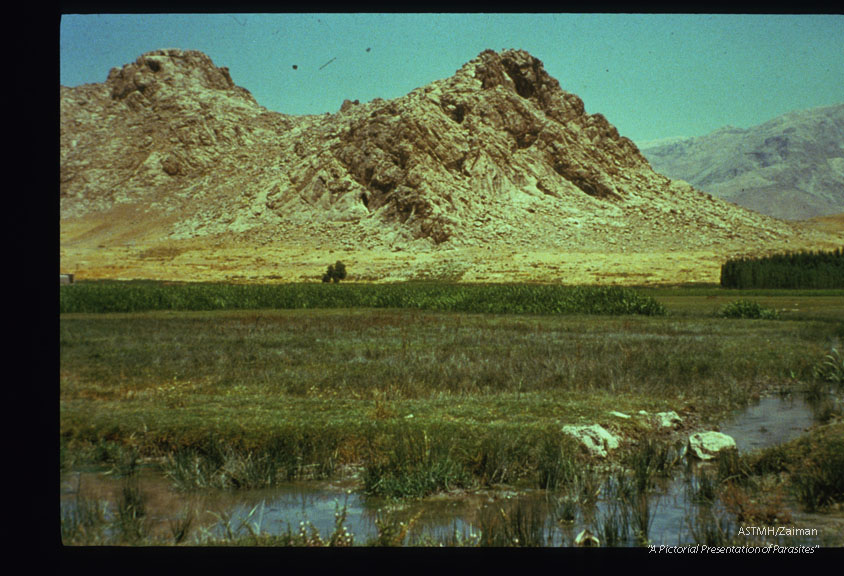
x=497 y=153
x=709 y=445
x=158 y=129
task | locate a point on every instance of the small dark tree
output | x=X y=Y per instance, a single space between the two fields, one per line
x=339 y=271
x=335 y=273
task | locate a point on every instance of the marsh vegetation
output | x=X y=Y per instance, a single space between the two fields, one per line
x=407 y=403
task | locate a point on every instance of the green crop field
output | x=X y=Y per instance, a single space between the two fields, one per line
x=493 y=298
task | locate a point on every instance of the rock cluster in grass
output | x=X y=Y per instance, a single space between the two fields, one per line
x=497 y=154
x=668 y=419
x=598 y=441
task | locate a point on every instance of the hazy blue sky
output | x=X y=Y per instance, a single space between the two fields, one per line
x=653 y=76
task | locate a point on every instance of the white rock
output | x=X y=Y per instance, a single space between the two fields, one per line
x=708 y=445
x=596 y=439
x=620 y=415
x=667 y=419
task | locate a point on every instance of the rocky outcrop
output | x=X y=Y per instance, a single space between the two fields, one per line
x=448 y=153
x=171 y=74
x=163 y=129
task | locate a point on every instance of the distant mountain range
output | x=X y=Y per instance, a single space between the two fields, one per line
x=791 y=167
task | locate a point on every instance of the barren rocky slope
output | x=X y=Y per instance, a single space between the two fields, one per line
x=790 y=167
x=169 y=170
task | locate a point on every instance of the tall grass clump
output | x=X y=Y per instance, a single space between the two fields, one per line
x=499 y=455
x=556 y=467
x=831 y=370
x=707 y=526
x=613 y=523
x=637 y=490
x=824 y=387
x=734 y=468
x=818 y=480
x=702 y=487
x=392 y=532
x=652 y=458
x=180 y=527
x=414 y=465
x=215 y=463
x=747 y=309
x=521 y=524
x=131 y=523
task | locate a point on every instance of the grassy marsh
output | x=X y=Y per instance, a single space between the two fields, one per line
x=414 y=402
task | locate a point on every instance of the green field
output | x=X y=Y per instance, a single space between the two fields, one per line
x=418 y=399
x=139 y=296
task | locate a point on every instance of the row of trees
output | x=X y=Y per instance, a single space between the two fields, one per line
x=812 y=269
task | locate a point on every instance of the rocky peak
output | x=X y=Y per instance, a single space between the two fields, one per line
x=517 y=70
x=171 y=72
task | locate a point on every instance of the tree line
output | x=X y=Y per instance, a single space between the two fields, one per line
x=807 y=269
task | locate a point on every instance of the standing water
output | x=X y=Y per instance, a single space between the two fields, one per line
x=534 y=517
x=772 y=421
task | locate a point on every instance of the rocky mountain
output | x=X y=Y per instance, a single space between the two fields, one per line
x=168 y=169
x=790 y=167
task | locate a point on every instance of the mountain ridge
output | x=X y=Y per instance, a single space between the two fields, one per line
x=791 y=166
x=170 y=155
